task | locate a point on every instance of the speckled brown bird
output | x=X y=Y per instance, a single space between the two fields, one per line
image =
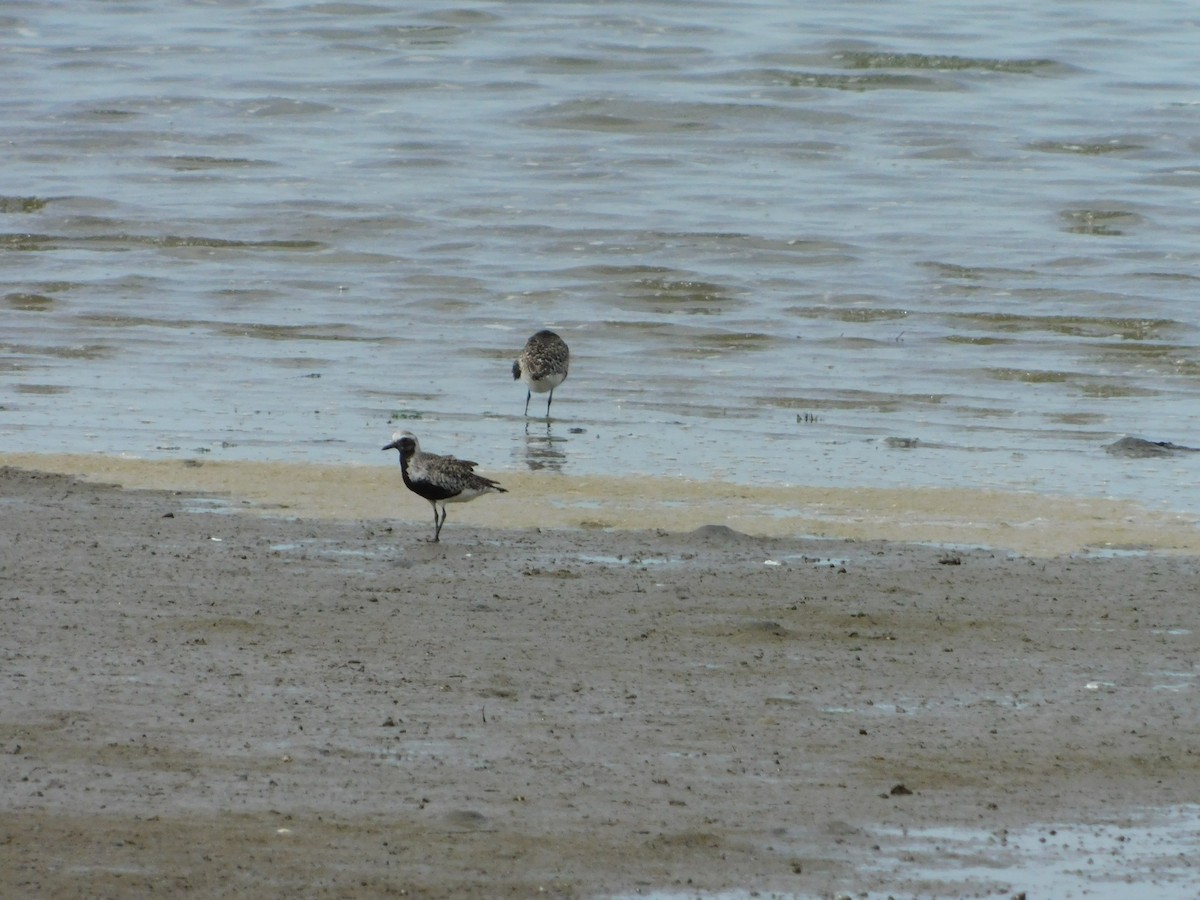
x=542 y=365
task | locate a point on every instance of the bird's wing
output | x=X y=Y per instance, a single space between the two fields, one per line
x=455 y=462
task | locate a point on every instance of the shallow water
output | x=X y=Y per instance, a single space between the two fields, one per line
x=895 y=246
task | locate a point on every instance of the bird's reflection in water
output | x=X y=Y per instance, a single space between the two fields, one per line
x=544 y=449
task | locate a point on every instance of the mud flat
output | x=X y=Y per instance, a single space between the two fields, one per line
x=200 y=699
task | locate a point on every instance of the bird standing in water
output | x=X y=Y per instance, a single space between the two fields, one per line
x=439 y=479
x=542 y=365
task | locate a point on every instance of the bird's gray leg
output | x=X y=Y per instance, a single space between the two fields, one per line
x=549 y=400
x=528 y=394
x=438 y=530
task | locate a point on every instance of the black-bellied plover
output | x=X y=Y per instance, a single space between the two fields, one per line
x=542 y=365
x=439 y=479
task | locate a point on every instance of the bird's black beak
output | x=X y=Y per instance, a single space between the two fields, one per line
x=394 y=445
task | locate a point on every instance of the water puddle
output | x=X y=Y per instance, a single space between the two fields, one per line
x=326 y=549
x=1147 y=854
x=218 y=505
x=627 y=561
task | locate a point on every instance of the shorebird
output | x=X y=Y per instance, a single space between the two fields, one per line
x=439 y=479
x=542 y=365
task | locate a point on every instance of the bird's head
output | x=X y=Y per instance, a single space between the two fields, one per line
x=405 y=442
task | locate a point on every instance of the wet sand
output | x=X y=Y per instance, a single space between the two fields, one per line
x=299 y=705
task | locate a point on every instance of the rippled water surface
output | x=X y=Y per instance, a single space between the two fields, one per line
x=862 y=244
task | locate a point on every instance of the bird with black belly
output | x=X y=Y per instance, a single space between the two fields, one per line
x=439 y=479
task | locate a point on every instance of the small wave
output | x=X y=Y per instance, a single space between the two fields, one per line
x=922 y=61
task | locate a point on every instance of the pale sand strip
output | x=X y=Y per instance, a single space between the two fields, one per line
x=1025 y=523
